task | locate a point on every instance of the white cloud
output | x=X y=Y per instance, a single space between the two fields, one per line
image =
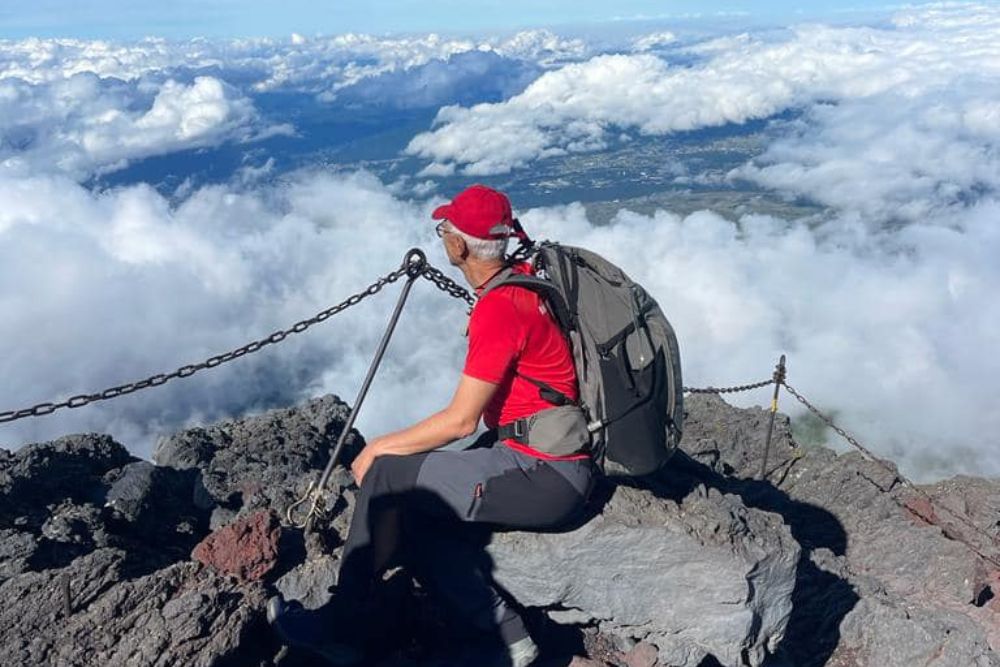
x=888 y=329
x=39 y=61
x=81 y=107
x=739 y=78
x=85 y=124
x=471 y=76
x=106 y=288
x=653 y=41
x=891 y=157
x=316 y=64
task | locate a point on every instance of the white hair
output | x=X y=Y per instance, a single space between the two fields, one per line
x=487 y=249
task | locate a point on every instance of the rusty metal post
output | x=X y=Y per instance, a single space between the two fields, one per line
x=779 y=379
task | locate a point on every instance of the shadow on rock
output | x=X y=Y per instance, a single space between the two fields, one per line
x=821 y=598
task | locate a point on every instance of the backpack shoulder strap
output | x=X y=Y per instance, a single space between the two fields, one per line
x=508 y=277
x=556 y=303
x=547 y=290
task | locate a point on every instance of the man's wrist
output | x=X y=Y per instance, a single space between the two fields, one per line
x=378 y=446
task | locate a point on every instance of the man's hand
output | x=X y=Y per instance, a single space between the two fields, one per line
x=364 y=461
x=457 y=420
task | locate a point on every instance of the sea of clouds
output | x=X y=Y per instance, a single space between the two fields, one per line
x=885 y=305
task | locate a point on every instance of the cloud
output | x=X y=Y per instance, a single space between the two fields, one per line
x=653 y=41
x=38 y=61
x=88 y=107
x=891 y=158
x=328 y=65
x=737 y=78
x=890 y=331
x=112 y=287
x=461 y=79
x=887 y=329
x=320 y=64
x=85 y=124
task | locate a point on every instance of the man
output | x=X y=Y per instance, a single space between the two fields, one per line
x=414 y=498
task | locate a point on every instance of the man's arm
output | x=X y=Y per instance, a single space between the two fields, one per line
x=458 y=420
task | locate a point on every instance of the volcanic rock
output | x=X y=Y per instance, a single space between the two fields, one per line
x=180 y=615
x=16 y=550
x=246 y=549
x=832 y=560
x=156 y=506
x=260 y=462
x=642 y=655
x=702 y=577
x=877 y=584
x=70 y=468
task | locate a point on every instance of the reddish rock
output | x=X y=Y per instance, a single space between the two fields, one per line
x=922 y=509
x=246 y=549
x=642 y=654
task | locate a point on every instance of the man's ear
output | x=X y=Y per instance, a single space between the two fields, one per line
x=458 y=246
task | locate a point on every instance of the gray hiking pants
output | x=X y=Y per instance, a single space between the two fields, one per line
x=434 y=511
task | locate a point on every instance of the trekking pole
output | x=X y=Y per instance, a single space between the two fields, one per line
x=414 y=262
x=779 y=377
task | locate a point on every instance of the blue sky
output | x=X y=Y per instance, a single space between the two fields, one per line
x=128 y=19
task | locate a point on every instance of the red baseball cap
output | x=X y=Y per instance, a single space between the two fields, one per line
x=479 y=211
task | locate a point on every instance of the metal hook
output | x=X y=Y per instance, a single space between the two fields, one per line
x=414 y=262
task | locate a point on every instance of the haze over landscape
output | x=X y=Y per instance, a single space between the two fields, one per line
x=823 y=186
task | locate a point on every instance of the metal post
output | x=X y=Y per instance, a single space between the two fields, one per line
x=779 y=378
x=414 y=262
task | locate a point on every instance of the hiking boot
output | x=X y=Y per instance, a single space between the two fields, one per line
x=313 y=631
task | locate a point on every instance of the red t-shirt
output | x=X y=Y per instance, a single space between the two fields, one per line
x=510 y=330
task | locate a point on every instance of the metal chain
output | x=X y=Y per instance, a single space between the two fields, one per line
x=962 y=518
x=447 y=285
x=190 y=369
x=829 y=422
x=728 y=390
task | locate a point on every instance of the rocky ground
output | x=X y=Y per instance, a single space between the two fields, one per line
x=109 y=560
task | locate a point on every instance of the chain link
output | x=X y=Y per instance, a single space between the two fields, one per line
x=728 y=390
x=190 y=369
x=447 y=285
x=829 y=422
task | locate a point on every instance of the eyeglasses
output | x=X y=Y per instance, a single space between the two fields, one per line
x=440 y=229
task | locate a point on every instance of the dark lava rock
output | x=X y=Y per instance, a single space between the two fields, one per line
x=832 y=560
x=70 y=468
x=180 y=615
x=17 y=548
x=877 y=583
x=260 y=462
x=157 y=506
